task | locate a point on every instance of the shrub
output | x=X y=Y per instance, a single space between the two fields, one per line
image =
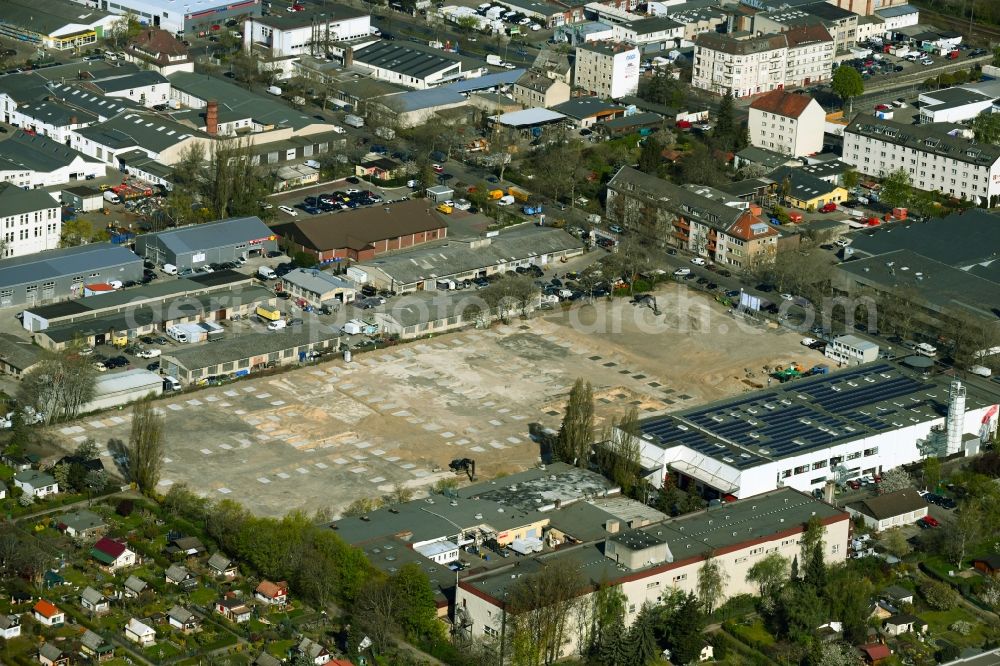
x=939 y=596
x=961 y=627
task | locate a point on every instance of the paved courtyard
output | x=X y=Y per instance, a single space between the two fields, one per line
x=324 y=435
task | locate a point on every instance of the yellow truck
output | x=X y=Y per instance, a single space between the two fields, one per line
x=495 y=194
x=267 y=314
x=518 y=193
x=445 y=208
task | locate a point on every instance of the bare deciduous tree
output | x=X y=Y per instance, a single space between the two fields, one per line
x=539 y=610
x=59 y=387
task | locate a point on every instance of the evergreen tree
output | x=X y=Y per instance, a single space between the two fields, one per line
x=611 y=648
x=812 y=552
x=577 y=431
x=725 y=123
x=685 y=635
x=650 y=157
x=641 y=639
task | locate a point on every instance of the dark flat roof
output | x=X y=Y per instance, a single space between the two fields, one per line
x=359 y=228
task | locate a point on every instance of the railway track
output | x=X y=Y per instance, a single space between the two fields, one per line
x=960 y=24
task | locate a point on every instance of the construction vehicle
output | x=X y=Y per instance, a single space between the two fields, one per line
x=817 y=370
x=467 y=465
x=793 y=371
x=495 y=194
x=519 y=194
x=445 y=208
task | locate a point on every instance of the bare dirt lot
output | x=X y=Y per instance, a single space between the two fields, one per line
x=323 y=435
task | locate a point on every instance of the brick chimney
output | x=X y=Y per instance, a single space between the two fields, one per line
x=212 y=118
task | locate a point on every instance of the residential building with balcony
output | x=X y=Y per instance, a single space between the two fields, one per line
x=742 y=67
x=703 y=220
x=745 y=67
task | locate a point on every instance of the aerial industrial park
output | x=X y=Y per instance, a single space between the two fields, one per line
x=506 y=333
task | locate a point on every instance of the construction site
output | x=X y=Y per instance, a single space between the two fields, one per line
x=323 y=435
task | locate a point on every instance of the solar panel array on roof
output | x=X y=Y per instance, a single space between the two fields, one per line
x=801 y=416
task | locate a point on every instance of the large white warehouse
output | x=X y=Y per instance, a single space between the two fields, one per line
x=833 y=427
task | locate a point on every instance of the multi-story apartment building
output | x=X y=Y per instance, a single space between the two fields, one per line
x=535 y=89
x=840 y=23
x=787 y=123
x=742 y=67
x=745 y=67
x=867 y=7
x=810 y=55
x=934 y=159
x=610 y=71
x=29 y=221
x=648 y=563
x=700 y=219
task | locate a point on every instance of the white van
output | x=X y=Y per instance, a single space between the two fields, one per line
x=169 y=269
x=266 y=273
x=925 y=349
x=312 y=164
x=276 y=325
x=505 y=200
x=171 y=384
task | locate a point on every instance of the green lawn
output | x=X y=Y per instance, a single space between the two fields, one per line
x=6 y=473
x=204 y=596
x=161 y=651
x=753 y=633
x=280 y=649
x=939 y=621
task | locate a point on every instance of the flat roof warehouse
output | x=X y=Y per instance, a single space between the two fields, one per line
x=806 y=415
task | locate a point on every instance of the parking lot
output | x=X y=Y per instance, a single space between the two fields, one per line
x=323 y=435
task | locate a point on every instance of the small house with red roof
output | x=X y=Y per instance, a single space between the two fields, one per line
x=233 y=608
x=112 y=555
x=46 y=612
x=787 y=123
x=876 y=653
x=275 y=594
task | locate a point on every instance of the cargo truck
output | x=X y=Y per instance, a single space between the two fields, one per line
x=267 y=314
x=493 y=59
x=354 y=121
x=518 y=194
